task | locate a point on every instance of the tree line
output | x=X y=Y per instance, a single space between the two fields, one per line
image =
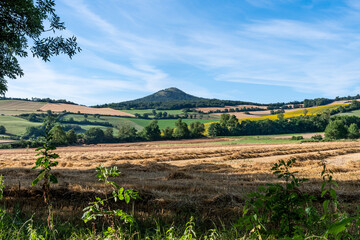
x=175 y=105
x=336 y=127
x=63 y=135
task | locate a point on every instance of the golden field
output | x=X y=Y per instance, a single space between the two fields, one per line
x=186 y=175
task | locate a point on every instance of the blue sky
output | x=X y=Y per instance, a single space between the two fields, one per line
x=252 y=50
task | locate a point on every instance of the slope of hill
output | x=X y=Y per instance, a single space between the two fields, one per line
x=173 y=99
x=168 y=94
x=15 y=107
x=60 y=107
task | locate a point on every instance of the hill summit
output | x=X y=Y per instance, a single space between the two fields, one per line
x=168 y=94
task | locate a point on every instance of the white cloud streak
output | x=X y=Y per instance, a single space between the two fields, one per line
x=314 y=57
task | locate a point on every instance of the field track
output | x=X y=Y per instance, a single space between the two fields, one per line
x=173 y=174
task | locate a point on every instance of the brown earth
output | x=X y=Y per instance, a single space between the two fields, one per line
x=173 y=176
x=60 y=107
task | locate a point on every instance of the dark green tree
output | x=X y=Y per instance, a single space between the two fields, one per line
x=215 y=129
x=197 y=129
x=71 y=136
x=127 y=133
x=2 y=129
x=94 y=135
x=32 y=117
x=336 y=130
x=109 y=135
x=181 y=130
x=152 y=131
x=353 y=131
x=33 y=132
x=24 y=21
x=168 y=133
x=58 y=135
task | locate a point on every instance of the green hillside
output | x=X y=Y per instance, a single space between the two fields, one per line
x=15 y=125
x=169 y=94
x=353 y=113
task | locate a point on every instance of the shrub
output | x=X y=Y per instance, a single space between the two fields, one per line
x=2 y=129
x=317 y=137
x=297 y=138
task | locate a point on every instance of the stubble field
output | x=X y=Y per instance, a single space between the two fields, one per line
x=180 y=176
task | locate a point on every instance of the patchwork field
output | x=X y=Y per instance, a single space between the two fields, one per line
x=60 y=107
x=15 y=107
x=15 y=125
x=188 y=175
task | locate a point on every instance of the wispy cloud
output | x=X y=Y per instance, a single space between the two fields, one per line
x=161 y=44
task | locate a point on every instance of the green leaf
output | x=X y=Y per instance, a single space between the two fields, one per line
x=53 y=179
x=333 y=193
x=323 y=193
x=326 y=205
x=39 y=177
x=339 y=227
x=127 y=197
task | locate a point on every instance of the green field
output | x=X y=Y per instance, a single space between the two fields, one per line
x=116 y=121
x=16 y=125
x=149 y=111
x=353 y=113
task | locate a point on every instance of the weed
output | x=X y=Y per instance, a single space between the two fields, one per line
x=45 y=163
x=101 y=208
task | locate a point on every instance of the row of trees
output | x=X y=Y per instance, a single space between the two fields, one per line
x=62 y=135
x=175 y=105
x=230 y=126
x=152 y=131
x=337 y=129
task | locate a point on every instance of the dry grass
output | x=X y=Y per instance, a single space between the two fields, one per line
x=59 y=107
x=207 y=178
x=15 y=107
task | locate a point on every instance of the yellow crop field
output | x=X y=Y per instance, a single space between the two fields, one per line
x=297 y=113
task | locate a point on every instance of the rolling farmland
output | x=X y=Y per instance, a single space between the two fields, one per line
x=173 y=174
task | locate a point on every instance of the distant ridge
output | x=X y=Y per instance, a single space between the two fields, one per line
x=168 y=94
x=171 y=99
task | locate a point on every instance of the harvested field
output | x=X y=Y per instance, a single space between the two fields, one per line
x=59 y=107
x=15 y=107
x=175 y=175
